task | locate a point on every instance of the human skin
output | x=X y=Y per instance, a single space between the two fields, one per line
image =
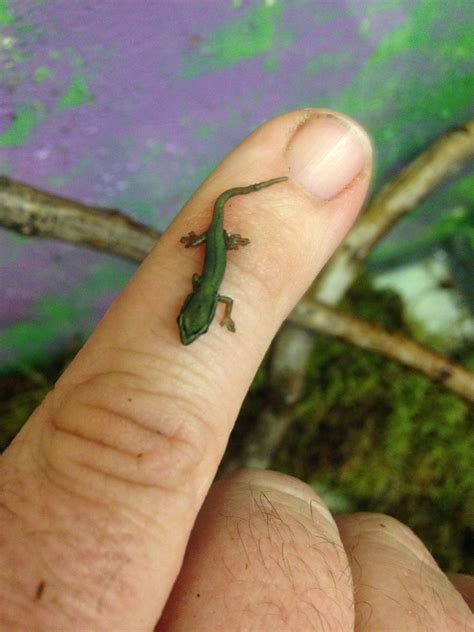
x=109 y=518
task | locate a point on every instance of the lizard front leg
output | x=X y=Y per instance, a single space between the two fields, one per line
x=191 y=239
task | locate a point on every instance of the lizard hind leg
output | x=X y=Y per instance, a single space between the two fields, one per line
x=232 y=242
x=226 y=318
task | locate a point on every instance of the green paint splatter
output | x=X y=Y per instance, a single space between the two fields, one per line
x=57 y=318
x=30 y=339
x=104 y=279
x=402 y=108
x=364 y=27
x=138 y=196
x=75 y=172
x=285 y=39
x=27 y=117
x=42 y=73
x=18 y=55
x=312 y=66
x=25 y=27
x=59 y=310
x=57 y=181
x=203 y=132
x=271 y=64
x=77 y=94
x=143 y=209
x=76 y=59
x=6 y=17
x=244 y=38
x=154 y=147
x=325 y=61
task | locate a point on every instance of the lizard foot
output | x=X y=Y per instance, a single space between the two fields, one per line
x=191 y=239
x=232 y=242
x=228 y=323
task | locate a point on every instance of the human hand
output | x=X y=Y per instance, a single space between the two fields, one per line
x=100 y=490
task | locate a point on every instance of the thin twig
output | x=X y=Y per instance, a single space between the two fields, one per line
x=329 y=320
x=32 y=212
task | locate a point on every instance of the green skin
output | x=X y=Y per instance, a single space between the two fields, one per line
x=200 y=306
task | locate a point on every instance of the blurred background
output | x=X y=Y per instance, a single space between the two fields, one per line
x=129 y=104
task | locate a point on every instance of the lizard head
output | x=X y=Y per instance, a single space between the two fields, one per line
x=196 y=315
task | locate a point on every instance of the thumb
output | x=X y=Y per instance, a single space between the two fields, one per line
x=115 y=464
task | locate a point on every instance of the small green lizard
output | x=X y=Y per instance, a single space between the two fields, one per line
x=200 y=306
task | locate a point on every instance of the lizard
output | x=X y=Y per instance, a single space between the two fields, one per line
x=200 y=306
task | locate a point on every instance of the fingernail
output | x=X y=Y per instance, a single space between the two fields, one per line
x=327 y=153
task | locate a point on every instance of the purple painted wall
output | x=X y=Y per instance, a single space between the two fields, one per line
x=130 y=104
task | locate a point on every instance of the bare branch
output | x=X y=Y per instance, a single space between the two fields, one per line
x=438 y=368
x=29 y=211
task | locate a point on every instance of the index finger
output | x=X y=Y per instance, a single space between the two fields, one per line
x=135 y=428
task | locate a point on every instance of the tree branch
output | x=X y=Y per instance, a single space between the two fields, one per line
x=329 y=320
x=32 y=212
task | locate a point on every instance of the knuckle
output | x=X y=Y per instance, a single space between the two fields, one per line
x=117 y=426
